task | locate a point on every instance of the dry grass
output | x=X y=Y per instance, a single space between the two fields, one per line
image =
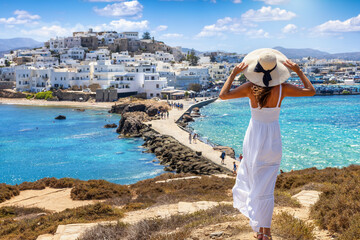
x=7 y=192
x=98 y=189
x=288 y=227
x=174 y=227
x=353 y=231
x=30 y=229
x=14 y=211
x=284 y=199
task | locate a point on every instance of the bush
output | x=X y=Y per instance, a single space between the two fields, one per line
x=30 y=229
x=98 y=189
x=284 y=199
x=7 y=192
x=44 y=95
x=174 y=227
x=353 y=232
x=287 y=226
x=14 y=211
x=337 y=205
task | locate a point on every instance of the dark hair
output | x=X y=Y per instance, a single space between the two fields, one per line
x=261 y=94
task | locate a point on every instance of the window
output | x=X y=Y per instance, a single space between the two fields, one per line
x=151 y=95
x=157 y=85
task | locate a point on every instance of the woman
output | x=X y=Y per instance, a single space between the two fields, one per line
x=267 y=70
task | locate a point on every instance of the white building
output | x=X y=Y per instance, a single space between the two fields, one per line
x=57 y=43
x=164 y=56
x=122 y=57
x=72 y=42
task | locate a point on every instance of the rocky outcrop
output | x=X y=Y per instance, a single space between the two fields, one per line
x=228 y=150
x=7 y=93
x=80 y=110
x=177 y=157
x=60 y=117
x=149 y=109
x=187 y=118
x=113 y=125
x=131 y=124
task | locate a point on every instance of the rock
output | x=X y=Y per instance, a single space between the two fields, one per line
x=216 y=234
x=131 y=123
x=53 y=99
x=113 y=125
x=61 y=117
x=198 y=153
x=8 y=93
x=80 y=110
x=151 y=111
x=196 y=109
x=195 y=114
x=228 y=150
x=187 y=118
x=135 y=107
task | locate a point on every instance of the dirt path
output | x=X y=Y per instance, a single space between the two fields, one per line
x=51 y=199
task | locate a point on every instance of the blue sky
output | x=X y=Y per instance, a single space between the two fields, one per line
x=206 y=25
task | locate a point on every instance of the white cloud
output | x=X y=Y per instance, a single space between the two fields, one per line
x=290 y=28
x=222 y=26
x=274 y=2
x=260 y=33
x=21 y=17
x=125 y=9
x=172 y=35
x=337 y=26
x=236 y=1
x=161 y=28
x=47 y=32
x=267 y=14
x=123 y=25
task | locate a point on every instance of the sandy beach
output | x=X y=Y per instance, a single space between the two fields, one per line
x=38 y=102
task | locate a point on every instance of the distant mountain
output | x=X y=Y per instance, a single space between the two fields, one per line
x=186 y=50
x=301 y=52
x=16 y=43
x=308 y=52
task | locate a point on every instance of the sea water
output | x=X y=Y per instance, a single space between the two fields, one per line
x=34 y=145
x=319 y=131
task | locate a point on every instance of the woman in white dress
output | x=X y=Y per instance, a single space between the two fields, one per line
x=266 y=70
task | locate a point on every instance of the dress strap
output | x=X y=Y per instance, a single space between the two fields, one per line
x=277 y=105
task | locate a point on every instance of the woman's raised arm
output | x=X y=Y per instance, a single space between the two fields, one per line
x=241 y=91
x=294 y=91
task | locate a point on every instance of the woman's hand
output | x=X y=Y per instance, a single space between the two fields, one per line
x=239 y=68
x=293 y=66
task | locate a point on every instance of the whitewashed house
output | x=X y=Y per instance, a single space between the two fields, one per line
x=57 y=43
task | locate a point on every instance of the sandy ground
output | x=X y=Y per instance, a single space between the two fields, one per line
x=49 y=198
x=169 y=127
x=38 y=102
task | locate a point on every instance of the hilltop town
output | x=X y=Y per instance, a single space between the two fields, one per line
x=116 y=65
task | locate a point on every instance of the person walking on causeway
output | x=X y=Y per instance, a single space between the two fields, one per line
x=267 y=70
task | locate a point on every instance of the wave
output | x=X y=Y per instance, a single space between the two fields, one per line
x=83 y=135
x=143 y=175
x=26 y=129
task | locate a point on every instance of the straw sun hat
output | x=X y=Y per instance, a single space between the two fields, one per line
x=265 y=67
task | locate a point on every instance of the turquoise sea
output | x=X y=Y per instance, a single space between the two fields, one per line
x=319 y=131
x=33 y=145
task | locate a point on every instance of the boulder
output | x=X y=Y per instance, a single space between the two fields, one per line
x=196 y=109
x=113 y=125
x=131 y=124
x=8 y=93
x=228 y=150
x=151 y=111
x=60 y=117
x=135 y=107
x=80 y=110
x=187 y=118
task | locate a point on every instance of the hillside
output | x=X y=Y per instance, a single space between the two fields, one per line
x=16 y=43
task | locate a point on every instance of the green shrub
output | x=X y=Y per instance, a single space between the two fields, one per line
x=287 y=226
x=44 y=95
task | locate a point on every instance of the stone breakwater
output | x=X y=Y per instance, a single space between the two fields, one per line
x=170 y=152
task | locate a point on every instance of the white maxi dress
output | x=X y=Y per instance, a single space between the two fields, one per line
x=253 y=192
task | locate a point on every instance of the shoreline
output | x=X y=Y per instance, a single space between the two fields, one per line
x=45 y=103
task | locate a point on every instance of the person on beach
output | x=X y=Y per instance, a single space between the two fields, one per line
x=190 y=137
x=240 y=157
x=222 y=156
x=195 y=137
x=234 y=169
x=267 y=70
